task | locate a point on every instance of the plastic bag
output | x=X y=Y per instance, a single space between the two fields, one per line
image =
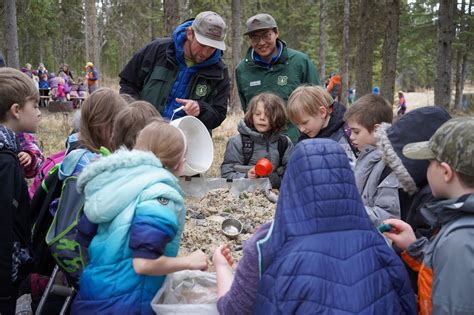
x=187 y=292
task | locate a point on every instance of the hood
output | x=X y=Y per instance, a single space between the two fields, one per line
x=179 y=36
x=256 y=136
x=8 y=140
x=336 y=121
x=318 y=195
x=444 y=211
x=415 y=126
x=114 y=182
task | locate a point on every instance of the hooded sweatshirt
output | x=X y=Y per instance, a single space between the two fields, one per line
x=415 y=126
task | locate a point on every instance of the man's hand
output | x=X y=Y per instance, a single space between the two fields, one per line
x=401 y=234
x=25 y=159
x=191 y=107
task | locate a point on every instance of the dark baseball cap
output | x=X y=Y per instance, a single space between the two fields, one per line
x=260 y=21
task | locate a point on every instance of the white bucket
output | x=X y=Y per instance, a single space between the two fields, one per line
x=200 y=150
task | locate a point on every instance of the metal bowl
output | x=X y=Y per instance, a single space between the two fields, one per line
x=231 y=227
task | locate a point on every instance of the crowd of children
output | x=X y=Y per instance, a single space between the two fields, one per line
x=351 y=171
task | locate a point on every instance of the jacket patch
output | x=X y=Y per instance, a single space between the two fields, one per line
x=282 y=80
x=201 y=90
x=256 y=83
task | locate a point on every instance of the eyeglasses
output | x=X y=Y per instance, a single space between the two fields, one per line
x=267 y=36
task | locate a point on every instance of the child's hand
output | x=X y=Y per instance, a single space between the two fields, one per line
x=222 y=256
x=251 y=173
x=197 y=260
x=25 y=159
x=401 y=234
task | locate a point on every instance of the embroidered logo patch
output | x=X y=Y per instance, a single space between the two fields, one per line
x=201 y=90
x=163 y=201
x=282 y=80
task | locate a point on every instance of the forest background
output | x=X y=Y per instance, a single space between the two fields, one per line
x=394 y=44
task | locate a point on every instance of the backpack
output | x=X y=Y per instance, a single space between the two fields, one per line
x=48 y=164
x=61 y=236
x=248 y=144
x=53 y=235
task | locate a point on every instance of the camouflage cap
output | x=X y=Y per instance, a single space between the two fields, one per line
x=452 y=143
x=260 y=21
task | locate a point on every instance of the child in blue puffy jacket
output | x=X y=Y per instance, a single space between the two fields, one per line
x=135 y=199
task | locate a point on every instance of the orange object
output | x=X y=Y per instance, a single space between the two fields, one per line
x=263 y=167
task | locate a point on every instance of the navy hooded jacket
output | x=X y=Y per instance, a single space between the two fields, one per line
x=322 y=254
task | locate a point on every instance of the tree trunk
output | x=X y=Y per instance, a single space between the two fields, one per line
x=150 y=20
x=87 y=31
x=389 y=50
x=170 y=14
x=236 y=49
x=461 y=58
x=12 y=53
x=184 y=11
x=322 y=40
x=94 y=34
x=446 y=32
x=345 y=52
x=365 y=48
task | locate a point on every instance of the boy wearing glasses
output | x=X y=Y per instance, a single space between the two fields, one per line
x=270 y=66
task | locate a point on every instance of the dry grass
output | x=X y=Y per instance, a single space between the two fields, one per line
x=54 y=130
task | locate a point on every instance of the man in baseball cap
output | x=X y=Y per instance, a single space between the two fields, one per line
x=270 y=66
x=184 y=74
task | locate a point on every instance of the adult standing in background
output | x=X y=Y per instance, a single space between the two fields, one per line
x=185 y=70
x=92 y=77
x=270 y=66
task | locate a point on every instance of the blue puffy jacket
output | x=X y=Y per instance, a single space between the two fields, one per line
x=138 y=207
x=322 y=254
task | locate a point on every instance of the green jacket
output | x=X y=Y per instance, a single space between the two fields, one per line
x=292 y=69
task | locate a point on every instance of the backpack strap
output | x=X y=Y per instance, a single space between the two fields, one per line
x=347 y=134
x=385 y=172
x=282 y=146
x=247 y=148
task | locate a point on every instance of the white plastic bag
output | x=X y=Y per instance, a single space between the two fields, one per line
x=187 y=292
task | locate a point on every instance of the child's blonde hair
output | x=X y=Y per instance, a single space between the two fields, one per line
x=15 y=88
x=129 y=121
x=164 y=140
x=274 y=110
x=306 y=100
x=97 y=118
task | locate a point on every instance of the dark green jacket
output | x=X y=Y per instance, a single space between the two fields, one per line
x=151 y=73
x=292 y=69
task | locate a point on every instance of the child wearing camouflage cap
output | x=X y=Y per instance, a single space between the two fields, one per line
x=444 y=263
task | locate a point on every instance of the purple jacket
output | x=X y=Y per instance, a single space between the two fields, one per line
x=241 y=296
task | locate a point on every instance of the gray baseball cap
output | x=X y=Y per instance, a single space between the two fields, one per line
x=210 y=28
x=260 y=21
x=452 y=143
